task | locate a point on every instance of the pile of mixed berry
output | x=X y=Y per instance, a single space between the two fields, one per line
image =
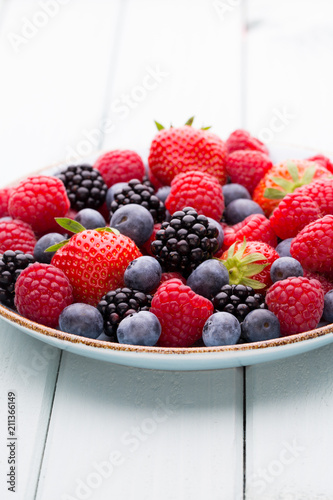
x=212 y=244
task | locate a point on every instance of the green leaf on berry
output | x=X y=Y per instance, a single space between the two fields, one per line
x=274 y=194
x=190 y=121
x=108 y=229
x=56 y=247
x=293 y=171
x=206 y=128
x=70 y=225
x=159 y=126
x=309 y=174
x=286 y=185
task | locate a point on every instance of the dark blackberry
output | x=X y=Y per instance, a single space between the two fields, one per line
x=11 y=265
x=147 y=182
x=141 y=194
x=184 y=242
x=238 y=300
x=118 y=304
x=84 y=185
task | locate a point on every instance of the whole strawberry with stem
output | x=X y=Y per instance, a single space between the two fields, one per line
x=249 y=263
x=284 y=178
x=94 y=261
x=180 y=149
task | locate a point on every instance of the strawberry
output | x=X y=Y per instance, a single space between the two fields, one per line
x=179 y=149
x=294 y=212
x=249 y=263
x=94 y=261
x=255 y=227
x=247 y=167
x=242 y=139
x=284 y=178
x=198 y=190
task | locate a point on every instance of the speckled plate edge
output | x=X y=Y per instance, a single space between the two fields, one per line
x=195 y=358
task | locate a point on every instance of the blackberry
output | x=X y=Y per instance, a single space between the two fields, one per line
x=185 y=242
x=141 y=194
x=84 y=185
x=119 y=303
x=238 y=300
x=11 y=265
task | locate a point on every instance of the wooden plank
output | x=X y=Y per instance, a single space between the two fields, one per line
x=143 y=433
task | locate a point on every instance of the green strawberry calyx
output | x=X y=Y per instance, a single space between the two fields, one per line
x=242 y=268
x=290 y=186
x=189 y=122
x=74 y=227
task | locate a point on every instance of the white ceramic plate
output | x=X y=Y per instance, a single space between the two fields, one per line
x=201 y=358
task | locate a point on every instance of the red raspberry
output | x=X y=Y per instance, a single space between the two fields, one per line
x=326 y=284
x=241 y=139
x=248 y=167
x=321 y=191
x=298 y=304
x=199 y=190
x=4 y=198
x=181 y=312
x=38 y=200
x=146 y=247
x=41 y=292
x=313 y=246
x=120 y=166
x=16 y=235
x=172 y=275
x=322 y=160
x=294 y=212
x=254 y=228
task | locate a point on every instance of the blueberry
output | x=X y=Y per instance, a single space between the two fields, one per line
x=220 y=236
x=234 y=191
x=163 y=193
x=90 y=218
x=142 y=328
x=328 y=307
x=143 y=273
x=45 y=242
x=260 y=324
x=133 y=221
x=237 y=210
x=81 y=319
x=283 y=248
x=208 y=278
x=285 y=267
x=116 y=188
x=221 y=328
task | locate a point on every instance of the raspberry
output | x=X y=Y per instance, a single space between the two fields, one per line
x=294 y=212
x=146 y=247
x=16 y=235
x=41 y=293
x=241 y=139
x=298 y=304
x=38 y=200
x=181 y=312
x=326 y=284
x=247 y=167
x=254 y=228
x=4 y=199
x=321 y=191
x=120 y=166
x=313 y=246
x=172 y=275
x=199 y=190
x=324 y=161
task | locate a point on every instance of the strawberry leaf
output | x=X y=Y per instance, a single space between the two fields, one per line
x=206 y=128
x=190 y=121
x=108 y=230
x=256 y=285
x=56 y=247
x=274 y=194
x=71 y=225
x=253 y=269
x=308 y=174
x=159 y=126
x=293 y=171
x=284 y=183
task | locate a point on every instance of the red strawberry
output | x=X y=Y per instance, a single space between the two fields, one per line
x=42 y=291
x=16 y=235
x=284 y=178
x=297 y=302
x=181 y=312
x=324 y=161
x=247 y=167
x=120 y=166
x=294 y=212
x=38 y=200
x=313 y=246
x=242 y=139
x=4 y=199
x=95 y=262
x=146 y=247
x=199 y=190
x=321 y=191
x=178 y=150
x=255 y=227
x=249 y=263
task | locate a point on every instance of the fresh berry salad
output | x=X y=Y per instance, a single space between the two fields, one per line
x=209 y=244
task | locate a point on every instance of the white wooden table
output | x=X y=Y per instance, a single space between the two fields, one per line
x=78 y=76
